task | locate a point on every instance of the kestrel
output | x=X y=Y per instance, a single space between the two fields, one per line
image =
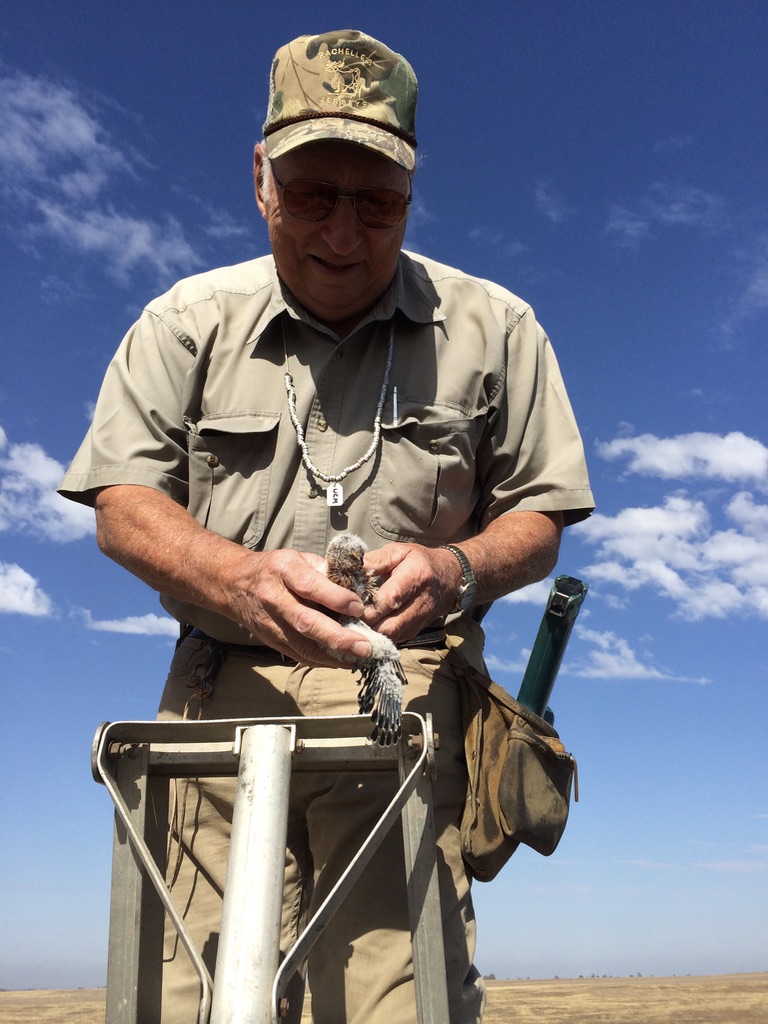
x=382 y=680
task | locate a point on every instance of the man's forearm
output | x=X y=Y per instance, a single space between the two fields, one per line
x=514 y=550
x=157 y=540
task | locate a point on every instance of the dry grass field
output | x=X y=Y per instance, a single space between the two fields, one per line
x=717 y=999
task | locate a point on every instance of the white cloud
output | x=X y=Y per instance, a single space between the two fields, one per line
x=672 y=549
x=755 y=295
x=21 y=593
x=733 y=458
x=137 y=625
x=629 y=225
x=493 y=238
x=746 y=557
x=125 y=242
x=222 y=225
x=48 y=137
x=550 y=202
x=665 y=205
x=753 y=298
x=611 y=657
x=28 y=499
x=750 y=516
x=682 y=205
x=535 y=593
x=660 y=535
x=675 y=549
x=735 y=867
x=57 y=163
x=673 y=144
x=507 y=665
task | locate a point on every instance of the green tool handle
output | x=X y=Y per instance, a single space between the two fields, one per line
x=565 y=600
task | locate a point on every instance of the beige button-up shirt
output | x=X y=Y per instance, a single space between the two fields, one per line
x=194 y=404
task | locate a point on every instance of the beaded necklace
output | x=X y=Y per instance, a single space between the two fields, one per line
x=335 y=494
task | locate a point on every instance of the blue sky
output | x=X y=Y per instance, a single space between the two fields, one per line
x=604 y=160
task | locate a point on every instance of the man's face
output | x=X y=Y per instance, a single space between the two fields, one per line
x=337 y=268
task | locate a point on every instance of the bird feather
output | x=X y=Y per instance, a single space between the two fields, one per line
x=382 y=676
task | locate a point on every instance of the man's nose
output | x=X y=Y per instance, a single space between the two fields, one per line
x=342 y=229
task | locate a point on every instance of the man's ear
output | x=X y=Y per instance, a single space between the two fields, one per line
x=258 y=178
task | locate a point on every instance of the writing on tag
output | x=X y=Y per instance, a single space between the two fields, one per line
x=335 y=495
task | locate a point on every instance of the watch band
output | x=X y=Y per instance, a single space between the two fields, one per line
x=468 y=586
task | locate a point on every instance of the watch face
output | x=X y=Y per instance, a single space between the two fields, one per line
x=467 y=596
x=468 y=588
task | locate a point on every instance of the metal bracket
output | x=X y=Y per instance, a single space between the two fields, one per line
x=157 y=751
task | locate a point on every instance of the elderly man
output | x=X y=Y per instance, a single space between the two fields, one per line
x=255 y=411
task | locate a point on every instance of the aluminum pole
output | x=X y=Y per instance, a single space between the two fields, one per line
x=249 y=941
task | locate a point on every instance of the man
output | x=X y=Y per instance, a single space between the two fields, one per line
x=254 y=412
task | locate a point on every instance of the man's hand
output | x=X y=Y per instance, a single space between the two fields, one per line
x=281 y=597
x=420 y=585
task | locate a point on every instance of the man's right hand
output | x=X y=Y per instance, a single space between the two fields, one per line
x=280 y=596
x=283 y=598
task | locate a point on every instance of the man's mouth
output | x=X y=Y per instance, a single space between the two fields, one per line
x=334 y=268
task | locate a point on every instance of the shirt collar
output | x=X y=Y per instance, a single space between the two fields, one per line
x=411 y=292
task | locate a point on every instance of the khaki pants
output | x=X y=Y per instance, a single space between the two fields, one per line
x=360 y=971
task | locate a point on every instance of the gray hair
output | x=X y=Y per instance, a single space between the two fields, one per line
x=267 y=177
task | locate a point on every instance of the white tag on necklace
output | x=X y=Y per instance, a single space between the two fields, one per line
x=335 y=495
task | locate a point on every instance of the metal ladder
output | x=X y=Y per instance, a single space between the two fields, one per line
x=137 y=760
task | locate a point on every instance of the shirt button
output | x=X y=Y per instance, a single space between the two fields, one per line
x=322 y=426
x=434 y=446
x=312 y=493
x=212 y=461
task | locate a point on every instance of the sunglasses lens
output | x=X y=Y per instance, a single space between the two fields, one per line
x=380 y=207
x=309 y=200
x=315 y=201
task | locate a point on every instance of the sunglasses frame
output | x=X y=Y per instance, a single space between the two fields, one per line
x=343 y=193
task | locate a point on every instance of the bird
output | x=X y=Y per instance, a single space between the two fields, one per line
x=382 y=677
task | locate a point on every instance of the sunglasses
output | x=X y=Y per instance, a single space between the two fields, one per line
x=315 y=201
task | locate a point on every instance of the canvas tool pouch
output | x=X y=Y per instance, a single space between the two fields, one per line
x=520 y=777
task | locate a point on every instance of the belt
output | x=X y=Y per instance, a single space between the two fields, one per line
x=432 y=636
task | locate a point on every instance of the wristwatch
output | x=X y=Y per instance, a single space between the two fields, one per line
x=468 y=586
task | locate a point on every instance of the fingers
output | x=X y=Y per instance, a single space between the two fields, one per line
x=320 y=642
x=287 y=603
x=415 y=589
x=304 y=575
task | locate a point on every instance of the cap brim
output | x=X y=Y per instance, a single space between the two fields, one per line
x=318 y=129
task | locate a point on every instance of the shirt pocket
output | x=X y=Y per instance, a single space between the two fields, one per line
x=230 y=469
x=426 y=489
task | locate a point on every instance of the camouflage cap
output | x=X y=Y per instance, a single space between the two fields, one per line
x=346 y=86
